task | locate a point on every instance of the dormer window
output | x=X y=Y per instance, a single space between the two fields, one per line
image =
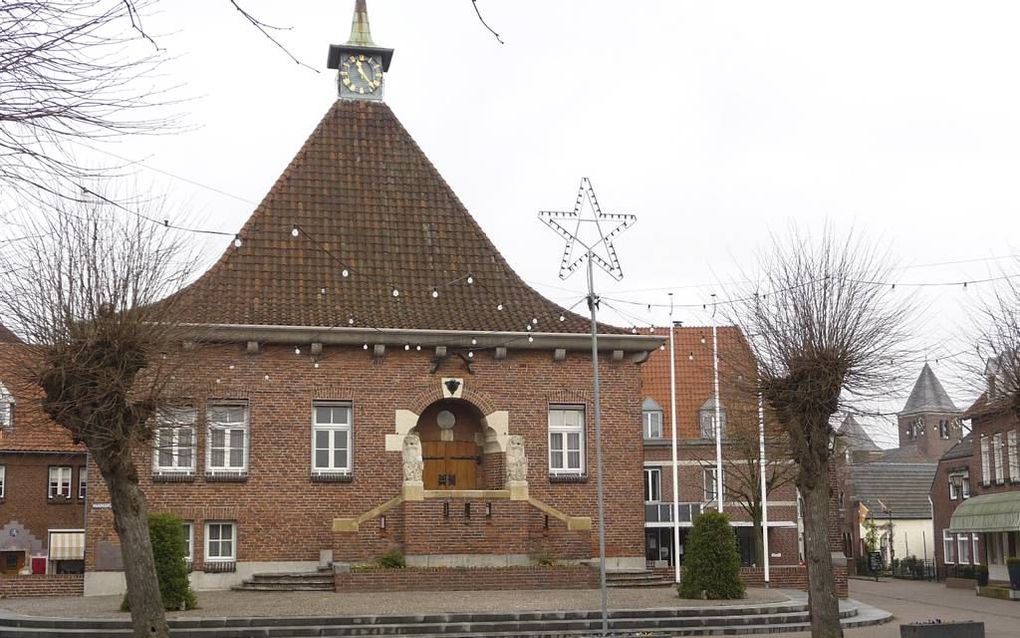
x=651 y=419
x=6 y=408
x=706 y=419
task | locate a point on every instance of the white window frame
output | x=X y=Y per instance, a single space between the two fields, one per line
x=1014 y=457
x=954 y=493
x=331 y=429
x=209 y=558
x=651 y=424
x=83 y=482
x=3 y=480
x=565 y=431
x=944 y=429
x=975 y=556
x=653 y=484
x=986 y=468
x=172 y=423
x=948 y=548
x=965 y=483
x=62 y=489
x=963 y=547
x=711 y=479
x=244 y=427
x=6 y=408
x=1000 y=470
x=189 y=538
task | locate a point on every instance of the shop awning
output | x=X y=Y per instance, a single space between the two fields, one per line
x=67 y=545
x=988 y=513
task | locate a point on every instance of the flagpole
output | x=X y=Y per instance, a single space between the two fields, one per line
x=764 y=490
x=720 y=492
x=673 y=430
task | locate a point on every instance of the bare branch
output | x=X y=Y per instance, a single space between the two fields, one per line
x=263 y=28
x=474 y=3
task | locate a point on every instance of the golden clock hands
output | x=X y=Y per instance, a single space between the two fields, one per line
x=361 y=71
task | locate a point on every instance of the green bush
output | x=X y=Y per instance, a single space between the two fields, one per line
x=169 y=551
x=392 y=559
x=712 y=563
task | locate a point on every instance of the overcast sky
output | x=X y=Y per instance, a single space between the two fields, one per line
x=716 y=123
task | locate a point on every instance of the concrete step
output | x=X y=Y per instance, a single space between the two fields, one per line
x=293 y=581
x=278 y=587
x=525 y=624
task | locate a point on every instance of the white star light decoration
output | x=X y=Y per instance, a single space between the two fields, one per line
x=610 y=262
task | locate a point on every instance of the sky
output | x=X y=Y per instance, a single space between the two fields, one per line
x=720 y=125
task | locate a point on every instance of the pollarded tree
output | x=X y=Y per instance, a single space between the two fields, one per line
x=82 y=288
x=823 y=330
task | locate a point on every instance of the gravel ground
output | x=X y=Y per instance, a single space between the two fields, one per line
x=232 y=603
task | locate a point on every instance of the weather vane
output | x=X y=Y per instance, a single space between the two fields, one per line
x=609 y=262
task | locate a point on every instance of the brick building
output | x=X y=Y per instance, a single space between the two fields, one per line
x=366 y=373
x=696 y=414
x=42 y=478
x=976 y=496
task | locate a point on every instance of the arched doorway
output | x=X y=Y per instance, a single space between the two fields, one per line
x=451 y=435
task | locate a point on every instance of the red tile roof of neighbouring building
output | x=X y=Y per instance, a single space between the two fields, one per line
x=32 y=430
x=694 y=374
x=6 y=336
x=365 y=198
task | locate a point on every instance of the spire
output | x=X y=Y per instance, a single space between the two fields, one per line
x=928 y=395
x=361 y=33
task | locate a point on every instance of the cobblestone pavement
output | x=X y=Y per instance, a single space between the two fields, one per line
x=912 y=601
x=231 y=603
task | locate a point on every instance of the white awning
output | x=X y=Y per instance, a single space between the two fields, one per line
x=67 y=545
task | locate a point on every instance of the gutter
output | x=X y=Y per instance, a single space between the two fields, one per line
x=357 y=336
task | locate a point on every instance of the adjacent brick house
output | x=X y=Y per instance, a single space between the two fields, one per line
x=987 y=486
x=367 y=373
x=697 y=450
x=42 y=478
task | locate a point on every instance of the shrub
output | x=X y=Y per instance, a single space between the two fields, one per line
x=392 y=559
x=169 y=551
x=712 y=563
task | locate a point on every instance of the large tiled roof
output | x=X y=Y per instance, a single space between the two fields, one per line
x=694 y=375
x=33 y=431
x=365 y=198
x=901 y=487
x=928 y=395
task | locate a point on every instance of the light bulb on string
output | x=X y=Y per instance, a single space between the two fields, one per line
x=345 y=273
x=364 y=347
x=316 y=364
x=418 y=348
x=407 y=346
x=350 y=322
x=237 y=241
x=534 y=321
x=470 y=279
x=562 y=318
x=396 y=293
x=471 y=355
x=633 y=331
x=531 y=339
x=690 y=357
x=435 y=293
x=297 y=350
x=474 y=341
x=294 y=232
x=499 y=306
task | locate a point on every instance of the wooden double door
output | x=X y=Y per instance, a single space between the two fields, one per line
x=451 y=465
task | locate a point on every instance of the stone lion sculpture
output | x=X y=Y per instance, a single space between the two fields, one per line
x=413 y=465
x=516 y=459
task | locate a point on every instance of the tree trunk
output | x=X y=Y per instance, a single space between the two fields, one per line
x=759 y=544
x=131 y=520
x=822 y=600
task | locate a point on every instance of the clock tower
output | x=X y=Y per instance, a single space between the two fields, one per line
x=361 y=65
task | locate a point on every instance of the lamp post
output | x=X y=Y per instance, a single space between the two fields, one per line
x=611 y=265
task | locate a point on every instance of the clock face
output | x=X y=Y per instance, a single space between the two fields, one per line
x=361 y=74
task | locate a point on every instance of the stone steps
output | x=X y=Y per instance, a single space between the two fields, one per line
x=637 y=579
x=294 y=581
x=650 y=622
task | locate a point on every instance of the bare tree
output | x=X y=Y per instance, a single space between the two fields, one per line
x=998 y=348
x=74 y=73
x=90 y=290
x=742 y=463
x=823 y=331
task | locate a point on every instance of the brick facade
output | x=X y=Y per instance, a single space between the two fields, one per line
x=41 y=585
x=283 y=515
